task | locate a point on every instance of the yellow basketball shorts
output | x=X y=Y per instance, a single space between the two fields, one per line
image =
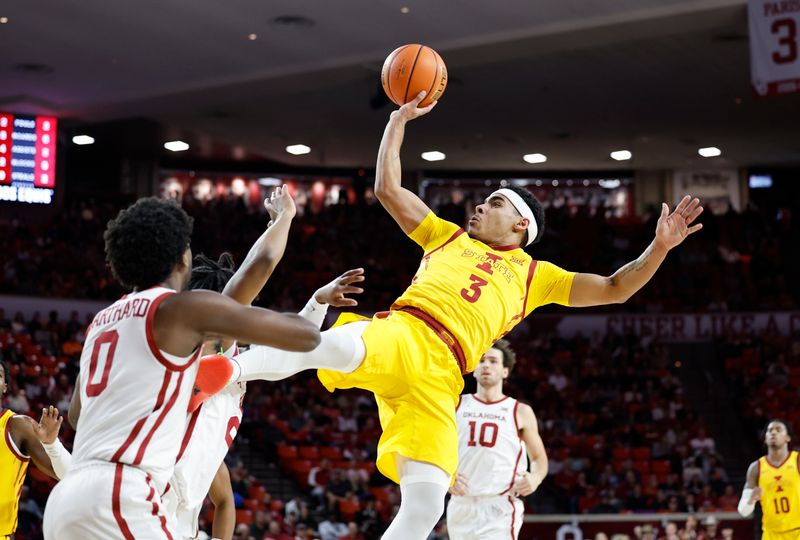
x=416 y=382
x=793 y=534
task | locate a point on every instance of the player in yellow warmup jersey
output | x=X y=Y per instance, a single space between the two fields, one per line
x=774 y=481
x=23 y=440
x=471 y=288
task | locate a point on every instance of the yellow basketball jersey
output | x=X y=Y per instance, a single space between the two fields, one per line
x=477 y=292
x=12 y=473
x=780 y=502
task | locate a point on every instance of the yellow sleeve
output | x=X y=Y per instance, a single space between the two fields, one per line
x=551 y=284
x=433 y=232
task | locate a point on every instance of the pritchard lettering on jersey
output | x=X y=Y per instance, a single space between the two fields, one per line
x=136 y=307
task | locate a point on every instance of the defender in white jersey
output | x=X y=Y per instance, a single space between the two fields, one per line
x=200 y=469
x=496 y=435
x=136 y=375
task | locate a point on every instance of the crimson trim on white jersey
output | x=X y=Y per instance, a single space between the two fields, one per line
x=479 y=400
x=151 y=339
x=160 y=419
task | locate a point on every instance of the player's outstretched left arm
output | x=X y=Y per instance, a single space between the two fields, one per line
x=527 y=482
x=267 y=252
x=23 y=430
x=47 y=432
x=671 y=230
x=407 y=209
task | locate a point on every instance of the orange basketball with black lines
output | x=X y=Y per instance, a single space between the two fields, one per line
x=409 y=70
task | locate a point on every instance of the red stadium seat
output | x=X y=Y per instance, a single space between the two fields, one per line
x=309 y=452
x=342 y=464
x=641 y=454
x=643 y=467
x=330 y=452
x=661 y=466
x=257 y=492
x=244 y=516
x=286 y=451
x=349 y=508
x=621 y=453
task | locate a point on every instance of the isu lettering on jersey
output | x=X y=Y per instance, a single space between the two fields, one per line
x=780 y=501
x=490 y=450
x=133 y=396
x=479 y=293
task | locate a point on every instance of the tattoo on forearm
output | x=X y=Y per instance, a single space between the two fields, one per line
x=633 y=266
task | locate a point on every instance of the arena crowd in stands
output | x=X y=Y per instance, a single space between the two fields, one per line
x=620 y=435
x=739 y=263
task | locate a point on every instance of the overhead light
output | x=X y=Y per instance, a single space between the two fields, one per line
x=709 y=151
x=433 y=155
x=252 y=37
x=404 y=10
x=268 y=181
x=3 y=20
x=298 y=149
x=82 y=140
x=621 y=155
x=534 y=158
x=613 y=183
x=176 y=146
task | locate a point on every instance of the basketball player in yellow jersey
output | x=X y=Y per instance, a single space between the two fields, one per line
x=471 y=288
x=774 y=481
x=22 y=440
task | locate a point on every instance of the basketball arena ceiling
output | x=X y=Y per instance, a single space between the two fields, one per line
x=572 y=79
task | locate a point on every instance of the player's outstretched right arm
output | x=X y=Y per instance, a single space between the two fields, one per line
x=751 y=492
x=407 y=209
x=266 y=253
x=183 y=321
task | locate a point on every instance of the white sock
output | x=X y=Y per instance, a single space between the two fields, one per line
x=341 y=349
x=422 y=490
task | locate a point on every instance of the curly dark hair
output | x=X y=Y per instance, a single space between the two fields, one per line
x=537 y=209
x=211 y=275
x=509 y=356
x=146 y=240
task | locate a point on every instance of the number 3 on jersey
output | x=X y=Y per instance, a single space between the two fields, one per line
x=472 y=294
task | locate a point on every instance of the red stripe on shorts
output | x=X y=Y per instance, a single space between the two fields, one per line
x=115 y=504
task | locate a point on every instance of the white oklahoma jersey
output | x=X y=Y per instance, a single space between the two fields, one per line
x=133 y=401
x=491 y=453
x=209 y=435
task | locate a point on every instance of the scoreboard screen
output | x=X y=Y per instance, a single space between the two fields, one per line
x=27 y=158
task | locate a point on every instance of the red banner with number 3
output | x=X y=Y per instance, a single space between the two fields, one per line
x=774 y=43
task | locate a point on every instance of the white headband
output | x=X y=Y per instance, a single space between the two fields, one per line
x=523 y=208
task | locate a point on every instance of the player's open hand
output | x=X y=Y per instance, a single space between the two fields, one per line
x=49 y=425
x=412 y=110
x=335 y=293
x=673 y=228
x=280 y=203
x=459 y=487
x=525 y=484
x=755 y=496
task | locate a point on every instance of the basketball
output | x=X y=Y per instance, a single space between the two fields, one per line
x=409 y=70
